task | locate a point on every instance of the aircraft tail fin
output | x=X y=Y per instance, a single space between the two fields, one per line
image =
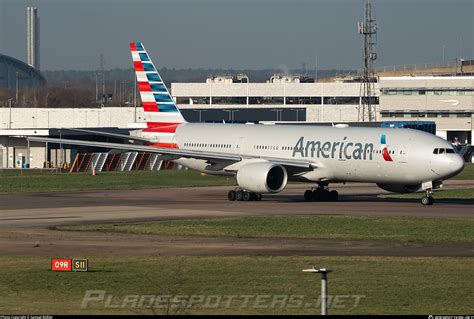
x=162 y=114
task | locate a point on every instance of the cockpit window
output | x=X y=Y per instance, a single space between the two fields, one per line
x=443 y=150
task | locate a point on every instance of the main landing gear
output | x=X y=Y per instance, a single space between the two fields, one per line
x=243 y=195
x=321 y=194
x=428 y=198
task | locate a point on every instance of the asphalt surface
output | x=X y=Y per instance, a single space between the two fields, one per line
x=28 y=221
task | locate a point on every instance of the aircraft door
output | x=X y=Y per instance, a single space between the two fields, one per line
x=403 y=153
x=239 y=145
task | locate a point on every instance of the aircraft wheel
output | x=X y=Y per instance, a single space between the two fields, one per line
x=239 y=195
x=431 y=200
x=231 y=196
x=317 y=195
x=427 y=200
x=323 y=195
x=253 y=196
x=246 y=196
x=259 y=197
x=308 y=195
x=333 y=196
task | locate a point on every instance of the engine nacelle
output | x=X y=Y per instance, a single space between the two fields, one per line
x=398 y=188
x=262 y=177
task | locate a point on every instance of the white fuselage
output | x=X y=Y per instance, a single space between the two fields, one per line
x=352 y=154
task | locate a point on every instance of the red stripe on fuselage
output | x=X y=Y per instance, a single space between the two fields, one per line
x=165 y=145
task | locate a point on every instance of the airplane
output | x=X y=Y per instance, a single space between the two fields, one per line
x=264 y=158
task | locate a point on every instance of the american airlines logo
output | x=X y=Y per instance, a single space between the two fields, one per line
x=343 y=150
x=385 y=151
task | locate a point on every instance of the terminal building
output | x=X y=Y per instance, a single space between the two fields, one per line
x=446 y=101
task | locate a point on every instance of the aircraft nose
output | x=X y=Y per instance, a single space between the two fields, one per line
x=457 y=165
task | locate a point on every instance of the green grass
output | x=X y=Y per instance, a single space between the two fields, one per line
x=388 y=285
x=466 y=194
x=48 y=181
x=467 y=173
x=319 y=227
x=13 y=181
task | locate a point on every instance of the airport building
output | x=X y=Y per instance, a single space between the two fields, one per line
x=281 y=99
x=446 y=101
x=17 y=123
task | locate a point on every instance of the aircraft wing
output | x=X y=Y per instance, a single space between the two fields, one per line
x=219 y=160
x=172 y=153
x=114 y=135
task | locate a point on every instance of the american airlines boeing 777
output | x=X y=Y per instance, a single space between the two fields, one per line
x=263 y=158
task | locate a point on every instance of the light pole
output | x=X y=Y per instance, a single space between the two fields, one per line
x=96 y=89
x=103 y=88
x=324 y=287
x=10 y=107
x=16 y=89
x=60 y=148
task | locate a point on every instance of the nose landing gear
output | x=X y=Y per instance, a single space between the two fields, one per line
x=428 y=198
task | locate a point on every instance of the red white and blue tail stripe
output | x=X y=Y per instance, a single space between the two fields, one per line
x=162 y=114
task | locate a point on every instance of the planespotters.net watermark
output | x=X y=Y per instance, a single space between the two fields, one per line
x=97 y=297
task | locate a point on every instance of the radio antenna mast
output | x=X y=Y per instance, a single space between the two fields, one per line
x=368 y=28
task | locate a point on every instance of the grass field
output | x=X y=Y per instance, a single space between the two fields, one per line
x=467 y=173
x=12 y=181
x=318 y=227
x=384 y=285
x=46 y=181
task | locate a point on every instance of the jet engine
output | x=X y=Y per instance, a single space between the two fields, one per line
x=398 y=188
x=262 y=177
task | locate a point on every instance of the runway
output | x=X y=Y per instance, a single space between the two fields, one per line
x=27 y=222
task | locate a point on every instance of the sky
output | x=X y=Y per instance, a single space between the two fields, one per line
x=238 y=34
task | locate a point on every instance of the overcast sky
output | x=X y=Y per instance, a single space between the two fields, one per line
x=253 y=34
